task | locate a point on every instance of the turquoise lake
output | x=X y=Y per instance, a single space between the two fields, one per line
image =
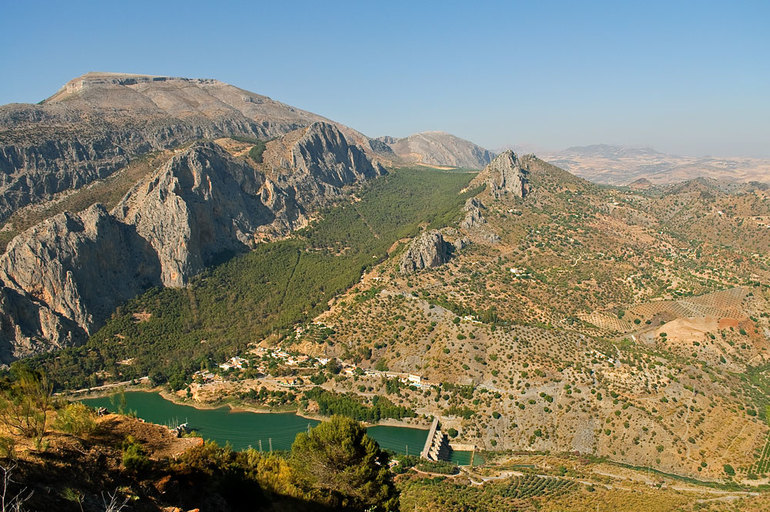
x=249 y=429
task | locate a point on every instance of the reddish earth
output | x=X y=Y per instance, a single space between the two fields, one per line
x=726 y=323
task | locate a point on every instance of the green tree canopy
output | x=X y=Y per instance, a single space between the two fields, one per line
x=340 y=465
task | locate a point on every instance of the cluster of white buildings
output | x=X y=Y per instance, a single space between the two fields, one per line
x=239 y=363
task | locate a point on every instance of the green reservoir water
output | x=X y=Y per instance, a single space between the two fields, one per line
x=244 y=429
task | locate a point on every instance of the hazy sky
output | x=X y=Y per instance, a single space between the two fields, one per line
x=684 y=77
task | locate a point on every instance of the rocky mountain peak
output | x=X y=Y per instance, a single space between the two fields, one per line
x=505 y=175
x=102 y=79
x=324 y=152
x=100 y=122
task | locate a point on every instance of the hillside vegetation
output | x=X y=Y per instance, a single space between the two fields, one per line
x=624 y=324
x=631 y=325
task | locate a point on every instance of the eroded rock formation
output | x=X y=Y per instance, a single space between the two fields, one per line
x=428 y=250
x=505 y=176
x=473 y=217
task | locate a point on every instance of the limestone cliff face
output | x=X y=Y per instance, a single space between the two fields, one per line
x=323 y=152
x=203 y=203
x=197 y=206
x=323 y=163
x=65 y=276
x=504 y=175
x=62 y=278
x=473 y=216
x=426 y=251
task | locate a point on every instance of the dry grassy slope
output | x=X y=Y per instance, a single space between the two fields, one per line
x=558 y=382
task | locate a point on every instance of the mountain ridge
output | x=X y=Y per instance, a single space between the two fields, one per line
x=201 y=204
x=438 y=148
x=98 y=123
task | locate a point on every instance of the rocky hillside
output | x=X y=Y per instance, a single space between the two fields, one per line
x=99 y=122
x=439 y=149
x=64 y=277
x=624 y=324
x=504 y=175
x=426 y=251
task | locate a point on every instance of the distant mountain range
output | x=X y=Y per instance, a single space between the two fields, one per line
x=621 y=165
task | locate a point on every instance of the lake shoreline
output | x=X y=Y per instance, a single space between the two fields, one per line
x=234 y=407
x=247 y=427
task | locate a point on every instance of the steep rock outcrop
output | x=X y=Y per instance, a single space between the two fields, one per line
x=324 y=153
x=426 y=251
x=461 y=243
x=197 y=206
x=322 y=163
x=202 y=203
x=504 y=175
x=66 y=275
x=473 y=217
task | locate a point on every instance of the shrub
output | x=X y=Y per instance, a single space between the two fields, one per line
x=255 y=153
x=439 y=466
x=7 y=447
x=134 y=457
x=24 y=406
x=76 y=419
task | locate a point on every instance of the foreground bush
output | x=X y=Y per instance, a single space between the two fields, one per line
x=76 y=419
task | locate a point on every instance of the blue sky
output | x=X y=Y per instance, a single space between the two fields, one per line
x=683 y=77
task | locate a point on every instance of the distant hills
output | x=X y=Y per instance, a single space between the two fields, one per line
x=439 y=149
x=621 y=165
